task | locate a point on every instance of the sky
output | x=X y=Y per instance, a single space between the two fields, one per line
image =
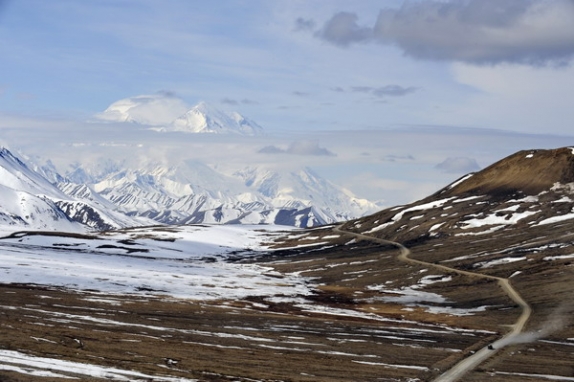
x=397 y=91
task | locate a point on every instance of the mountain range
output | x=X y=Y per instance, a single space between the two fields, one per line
x=37 y=196
x=193 y=192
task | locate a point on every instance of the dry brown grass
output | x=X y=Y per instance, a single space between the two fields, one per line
x=256 y=339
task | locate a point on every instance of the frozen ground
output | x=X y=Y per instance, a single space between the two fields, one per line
x=49 y=367
x=185 y=262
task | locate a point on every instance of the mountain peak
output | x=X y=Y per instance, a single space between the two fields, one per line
x=7 y=154
x=166 y=112
x=155 y=110
x=205 y=118
x=529 y=172
x=204 y=107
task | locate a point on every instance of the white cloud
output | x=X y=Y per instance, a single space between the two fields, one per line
x=307 y=147
x=157 y=109
x=299 y=147
x=382 y=91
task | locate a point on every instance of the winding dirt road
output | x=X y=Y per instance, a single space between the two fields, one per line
x=470 y=363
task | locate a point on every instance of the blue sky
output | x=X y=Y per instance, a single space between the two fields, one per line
x=69 y=56
x=302 y=67
x=297 y=64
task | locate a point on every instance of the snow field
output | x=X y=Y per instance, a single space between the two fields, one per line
x=182 y=262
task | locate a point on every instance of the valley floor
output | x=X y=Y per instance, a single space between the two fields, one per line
x=319 y=305
x=50 y=333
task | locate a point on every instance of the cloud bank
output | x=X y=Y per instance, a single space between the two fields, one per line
x=384 y=91
x=483 y=32
x=300 y=147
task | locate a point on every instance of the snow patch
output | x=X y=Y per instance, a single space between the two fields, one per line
x=556 y=219
x=391 y=365
x=536 y=376
x=422 y=207
x=51 y=367
x=453 y=185
x=561 y=257
x=505 y=260
x=497 y=219
x=184 y=262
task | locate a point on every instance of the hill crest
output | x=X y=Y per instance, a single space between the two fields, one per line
x=530 y=188
x=529 y=172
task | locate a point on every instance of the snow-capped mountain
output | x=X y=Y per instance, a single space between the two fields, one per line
x=108 y=195
x=165 y=112
x=193 y=192
x=204 y=118
x=302 y=189
x=25 y=210
x=94 y=211
x=25 y=198
x=28 y=200
x=155 y=110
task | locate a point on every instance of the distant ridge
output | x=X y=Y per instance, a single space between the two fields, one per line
x=530 y=188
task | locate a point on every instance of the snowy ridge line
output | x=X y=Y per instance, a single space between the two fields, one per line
x=30 y=201
x=192 y=192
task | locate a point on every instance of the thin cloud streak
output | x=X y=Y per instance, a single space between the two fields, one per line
x=300 y=147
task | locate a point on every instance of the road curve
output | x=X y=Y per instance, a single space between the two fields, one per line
x=470 y=363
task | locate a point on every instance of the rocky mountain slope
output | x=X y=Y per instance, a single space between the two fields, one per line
x=30 y=201
x=511 y=222
x=531 y=188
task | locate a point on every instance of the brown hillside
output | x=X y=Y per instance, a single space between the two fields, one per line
x=529 y=172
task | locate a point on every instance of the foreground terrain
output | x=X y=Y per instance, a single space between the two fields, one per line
x=401 y=295
x=321 y=329
x=350 y=310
